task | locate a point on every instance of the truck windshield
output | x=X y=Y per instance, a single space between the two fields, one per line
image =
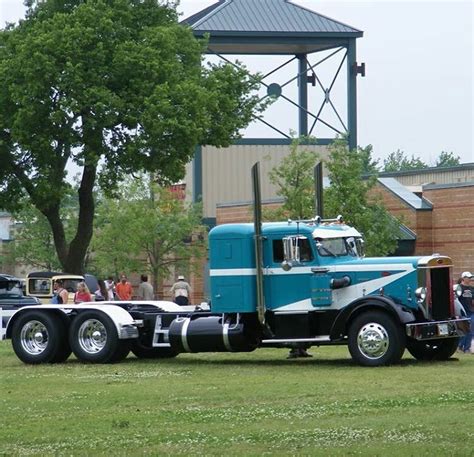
x=331 y=247
x=335 y=247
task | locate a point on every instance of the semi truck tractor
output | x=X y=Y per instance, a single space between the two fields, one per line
x=286 y=284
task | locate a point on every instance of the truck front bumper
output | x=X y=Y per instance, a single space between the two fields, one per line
x=438 y=329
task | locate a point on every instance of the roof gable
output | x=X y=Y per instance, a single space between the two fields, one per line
x=265 y=16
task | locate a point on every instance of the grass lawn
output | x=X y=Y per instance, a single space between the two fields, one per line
x=237 y=404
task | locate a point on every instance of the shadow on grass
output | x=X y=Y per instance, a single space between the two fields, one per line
x=188 y=359
x=245 y=359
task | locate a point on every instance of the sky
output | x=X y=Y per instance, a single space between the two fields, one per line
x=418 y=93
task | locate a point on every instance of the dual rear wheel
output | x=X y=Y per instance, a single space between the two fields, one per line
x=42 y=337
x=39 y=337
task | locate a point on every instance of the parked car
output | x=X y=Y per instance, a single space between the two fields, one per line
x=11 y=299
x=40 y=284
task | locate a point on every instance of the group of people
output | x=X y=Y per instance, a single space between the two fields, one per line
x=465 y=297
x=108 y=290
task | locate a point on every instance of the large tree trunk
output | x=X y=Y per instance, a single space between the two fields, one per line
x=57 y=227
x=80 y=243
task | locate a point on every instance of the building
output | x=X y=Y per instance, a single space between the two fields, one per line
x=436 y=206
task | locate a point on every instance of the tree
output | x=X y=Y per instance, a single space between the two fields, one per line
x=33 y=244
x=447 y=159
x=369 y=164
x=148 y=229
x=399 y=161
x=294 y=180
x=350 y=196
x=115 y=86
x=349 y=193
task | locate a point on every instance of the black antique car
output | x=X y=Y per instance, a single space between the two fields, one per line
x=11 y=299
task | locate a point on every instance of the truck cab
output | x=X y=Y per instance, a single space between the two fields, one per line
x=319 y=288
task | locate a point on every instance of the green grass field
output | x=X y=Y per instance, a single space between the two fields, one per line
x=237 y=404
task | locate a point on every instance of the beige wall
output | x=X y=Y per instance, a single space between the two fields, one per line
x=227 y=172
x=454 y=175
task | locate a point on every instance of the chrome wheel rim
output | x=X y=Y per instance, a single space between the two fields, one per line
x=373 y=340
x=92 y=336
x=34 y=337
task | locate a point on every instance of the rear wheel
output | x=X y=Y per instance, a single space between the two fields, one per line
x=432 y=350
x=376 y=339
x=94 y=338
x=40 y=337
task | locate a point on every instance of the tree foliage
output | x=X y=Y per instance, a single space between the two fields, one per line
x=33 y=243
x=399 y=161
x=350 y=196
x=349 y=193
x=148 y=229
x=447 y=159
x=114 y=86
x=294 y=181
x=369 y=164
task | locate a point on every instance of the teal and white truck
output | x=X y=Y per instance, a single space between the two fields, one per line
x=286 y=284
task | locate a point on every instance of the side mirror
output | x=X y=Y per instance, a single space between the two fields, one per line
x=458 y=290
x=286 y=266
x=291 y=249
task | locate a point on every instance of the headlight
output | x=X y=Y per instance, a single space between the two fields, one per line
x=420 y=293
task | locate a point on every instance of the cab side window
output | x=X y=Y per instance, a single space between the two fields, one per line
x=306 y=254
x=278 y=256
x=304 y=247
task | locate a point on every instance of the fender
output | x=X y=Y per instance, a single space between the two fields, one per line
x=121 y=318
x=398 y=312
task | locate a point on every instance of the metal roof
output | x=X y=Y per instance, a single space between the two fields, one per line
x=405 y=195
x=268 y=27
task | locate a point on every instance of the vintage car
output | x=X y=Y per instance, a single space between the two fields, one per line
x=40 y=284
x=11 y=299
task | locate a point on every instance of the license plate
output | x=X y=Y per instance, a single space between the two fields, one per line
x=443 y=329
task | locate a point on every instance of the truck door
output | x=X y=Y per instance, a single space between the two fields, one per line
x=321 y=292
x=288 y=288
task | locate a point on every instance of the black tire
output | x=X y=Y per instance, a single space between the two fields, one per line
x=376 y=339
x=40 y=337
x=432 y=350
x=93 y=338
x=146 y=352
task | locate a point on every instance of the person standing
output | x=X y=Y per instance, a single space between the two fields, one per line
x=110 y=286
x=61 y=295
x=181 y=291
x=82 y=294
x=466 y=301
x=101 y=293
x=145 y=289
x=124 y=289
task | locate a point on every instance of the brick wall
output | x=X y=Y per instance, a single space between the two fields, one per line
x=453 y=224
x=447 y=229
x=238 y=213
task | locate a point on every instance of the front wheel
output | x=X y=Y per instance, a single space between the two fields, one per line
x=376 y=339
x=432 y=350
x=94 y=339
x=39 y=337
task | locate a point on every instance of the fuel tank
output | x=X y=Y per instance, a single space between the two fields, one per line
x=210 y=334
